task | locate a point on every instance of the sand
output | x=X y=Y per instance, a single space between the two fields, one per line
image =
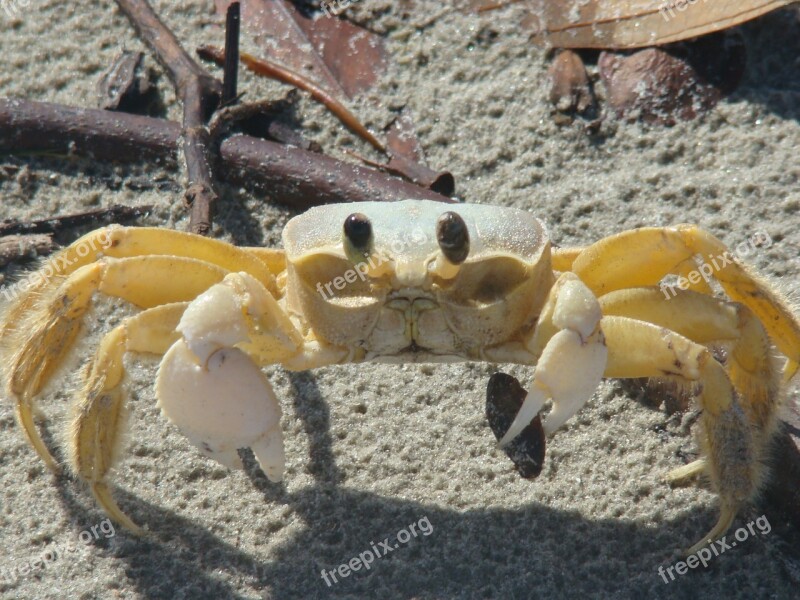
x=373 y=449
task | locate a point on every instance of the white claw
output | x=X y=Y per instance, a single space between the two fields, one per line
x=577 y=309
x=530 y=408
x=270 y=455
x=571 y=365
x=222 y=405
x=570 y=370
x=213 y=320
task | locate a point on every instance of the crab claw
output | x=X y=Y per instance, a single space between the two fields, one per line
x=221 y=406
x=214 y=393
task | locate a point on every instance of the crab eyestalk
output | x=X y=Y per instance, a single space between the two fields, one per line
x=453 y=238
x=359 y=244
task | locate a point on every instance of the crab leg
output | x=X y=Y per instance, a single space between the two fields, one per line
x=564 y=258
x=731 y=450
x=43 y=339
x=208 y=385
x=750 y=362
x=99 y=412
x=125 y=242
x=642 y=257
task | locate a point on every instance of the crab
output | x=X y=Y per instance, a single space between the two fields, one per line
x=409 y=281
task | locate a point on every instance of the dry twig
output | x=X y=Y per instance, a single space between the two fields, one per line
x=274 y=71
x=16 y=247
x=111 y=214
x=290 y=175
x=200 y=94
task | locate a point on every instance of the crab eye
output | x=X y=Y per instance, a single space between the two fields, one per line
x=453 y=237
x=357 y=237
x=358 y=230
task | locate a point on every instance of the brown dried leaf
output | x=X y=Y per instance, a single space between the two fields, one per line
x=570 y=89
x=336 y=54
x=675 y=82
x=619 y=24
x=407 y=158
x=126 y=85
x=343 y=60
x=504 y=397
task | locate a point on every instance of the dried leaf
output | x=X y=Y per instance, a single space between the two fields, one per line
x=126 y=85
x=280 y=73
x=570 y=90
x=407 y=158
x=677 y=82
x=619 y=24
x=504 y=397
x=339 y=56
x=343 y=60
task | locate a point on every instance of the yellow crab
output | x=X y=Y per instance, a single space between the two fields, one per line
x=411 y=281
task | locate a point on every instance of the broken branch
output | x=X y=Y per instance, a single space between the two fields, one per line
x=284 y=75
x=200 y=94
x=16 y=247
x=291 y=176
x=111 y=214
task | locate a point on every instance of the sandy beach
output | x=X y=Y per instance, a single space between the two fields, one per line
x=399 y=461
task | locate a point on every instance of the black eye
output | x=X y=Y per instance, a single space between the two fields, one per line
x=358 y=230
x=453 y=237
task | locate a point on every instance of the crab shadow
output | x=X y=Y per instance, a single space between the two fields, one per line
x=527 y=551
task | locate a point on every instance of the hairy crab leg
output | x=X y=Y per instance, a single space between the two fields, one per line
x=45 y=337
x=99 y=410
x=733 y=463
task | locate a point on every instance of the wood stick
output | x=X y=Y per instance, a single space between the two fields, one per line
x=275 y=71
x=200 y=94
x=289 y=175
x=112 y=214
x=16 y=247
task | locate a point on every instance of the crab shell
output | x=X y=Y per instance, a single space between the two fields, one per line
x=419 y=307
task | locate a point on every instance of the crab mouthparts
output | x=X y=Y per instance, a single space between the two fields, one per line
x=414 y=348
